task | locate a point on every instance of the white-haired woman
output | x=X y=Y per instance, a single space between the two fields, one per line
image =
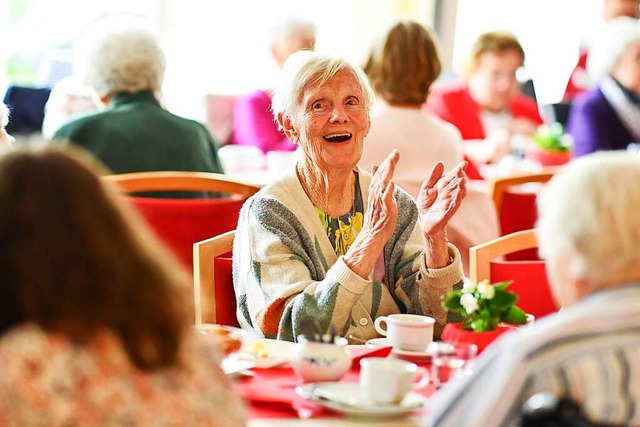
x=124 y=63
x=607 y=117
x=252 y=119
x=589 y=233
x=329 y=241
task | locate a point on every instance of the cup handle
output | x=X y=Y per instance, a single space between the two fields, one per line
x=423 y=374
x=376 y=325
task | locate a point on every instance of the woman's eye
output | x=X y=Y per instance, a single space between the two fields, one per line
x=352 y=102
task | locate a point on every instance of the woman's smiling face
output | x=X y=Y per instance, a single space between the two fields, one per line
x=331 y=122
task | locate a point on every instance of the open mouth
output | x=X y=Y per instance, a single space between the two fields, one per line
x=339 y=137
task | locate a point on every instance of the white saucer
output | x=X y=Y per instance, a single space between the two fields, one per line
x=345 y=398
x=419 y=356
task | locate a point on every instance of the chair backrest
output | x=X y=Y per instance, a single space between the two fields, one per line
x=516 y=205
x=530 y=281
x=182 y=222
x=214 y=296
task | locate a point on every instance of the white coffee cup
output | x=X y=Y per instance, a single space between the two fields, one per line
x=410 y=332
x=387 y=381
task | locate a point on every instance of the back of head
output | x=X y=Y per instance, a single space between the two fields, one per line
x=404 y=64
x=610 y=44
x=290 y=35
x=306 y=70
x=496 y=42
x=120 y=54
x=77 y=261
x=588 y=213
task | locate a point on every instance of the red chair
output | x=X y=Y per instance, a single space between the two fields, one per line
x=516 y=205
x=214 y=296
x=182 y=222
x=530 y=281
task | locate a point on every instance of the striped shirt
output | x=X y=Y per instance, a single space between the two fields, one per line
x=589 y=352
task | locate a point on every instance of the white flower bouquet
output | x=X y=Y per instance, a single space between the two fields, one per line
x=485 y=305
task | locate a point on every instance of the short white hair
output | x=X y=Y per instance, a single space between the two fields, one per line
x=306 y=70
x=589 y=211
x=120 y=54
x=291 y=28
x=616 y=36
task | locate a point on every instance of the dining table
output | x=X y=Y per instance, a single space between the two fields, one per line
x=268 y=387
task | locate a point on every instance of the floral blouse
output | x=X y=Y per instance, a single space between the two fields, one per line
x=342 y=231
x=47 y=380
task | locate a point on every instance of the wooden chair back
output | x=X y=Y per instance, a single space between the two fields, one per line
x=214 y=296
x=529 y=277
x=180 y=223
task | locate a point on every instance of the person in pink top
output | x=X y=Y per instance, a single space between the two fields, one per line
x=401 y=69
x=488 y=108
x=253 y=122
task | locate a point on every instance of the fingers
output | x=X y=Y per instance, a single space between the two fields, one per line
x=436 y=173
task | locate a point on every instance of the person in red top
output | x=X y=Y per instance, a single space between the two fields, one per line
x=579 y=79
x=488 y=107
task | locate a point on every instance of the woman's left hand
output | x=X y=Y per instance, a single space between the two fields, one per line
x=439 y=198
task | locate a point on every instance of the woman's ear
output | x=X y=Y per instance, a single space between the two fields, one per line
x=287 y=127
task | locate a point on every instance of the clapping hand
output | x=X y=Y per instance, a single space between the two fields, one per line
x=440 y=196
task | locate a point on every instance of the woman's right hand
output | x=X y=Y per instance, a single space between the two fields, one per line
x=380 y=219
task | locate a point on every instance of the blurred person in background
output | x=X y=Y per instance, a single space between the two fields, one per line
x=589 y=234
x=488 y=107
x=328 y=240
x=253 y=122
x=99 y=332
x=579 y=79
x=122 y=60
x=401 y=69
x=607 y=117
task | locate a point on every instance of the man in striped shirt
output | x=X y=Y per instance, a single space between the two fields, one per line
x=589 y=233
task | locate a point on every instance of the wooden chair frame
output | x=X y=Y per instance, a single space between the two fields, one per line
x=480 y=256
x=498 y=186
x=204 y=291
x=136 y=182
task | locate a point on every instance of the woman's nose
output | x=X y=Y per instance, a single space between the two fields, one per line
x=338 y=114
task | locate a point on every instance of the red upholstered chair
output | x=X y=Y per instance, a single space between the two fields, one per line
x=530 y=281
x=516 y=205
x=214 y=297
x=182 y=222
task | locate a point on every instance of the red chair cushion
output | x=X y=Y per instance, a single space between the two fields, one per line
x=530 y=283
x=518 y=212
x=182 y=222
x=225 y=295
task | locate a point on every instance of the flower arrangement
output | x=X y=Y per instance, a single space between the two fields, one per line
x=484 y=305
x=552 y=138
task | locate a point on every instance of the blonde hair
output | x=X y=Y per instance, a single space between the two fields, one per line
x=492 y=42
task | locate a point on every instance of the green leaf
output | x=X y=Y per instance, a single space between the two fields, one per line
x=501 y=286
x=452 y=301
x=515 y=315
x=502 y=300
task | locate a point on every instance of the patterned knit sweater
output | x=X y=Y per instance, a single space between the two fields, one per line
x=285 y=269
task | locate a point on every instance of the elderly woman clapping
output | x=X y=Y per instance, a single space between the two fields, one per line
x=329 y=241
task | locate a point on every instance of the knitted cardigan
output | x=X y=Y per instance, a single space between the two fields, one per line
x=285 y=269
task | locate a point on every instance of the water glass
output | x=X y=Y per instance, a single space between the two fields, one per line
x=452 y=362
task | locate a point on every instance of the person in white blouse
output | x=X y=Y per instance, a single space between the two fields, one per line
x=401 y=67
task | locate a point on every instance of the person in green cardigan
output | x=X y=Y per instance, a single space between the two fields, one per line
x=122 y=60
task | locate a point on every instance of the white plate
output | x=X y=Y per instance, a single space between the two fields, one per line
x=236 y=368
x=278 y=352
x=345 y=398
x=422 y=356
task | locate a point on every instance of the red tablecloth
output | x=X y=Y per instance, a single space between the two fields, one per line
x=271 y=392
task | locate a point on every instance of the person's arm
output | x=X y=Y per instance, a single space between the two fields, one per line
x=585 y=127
x=254 y=125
